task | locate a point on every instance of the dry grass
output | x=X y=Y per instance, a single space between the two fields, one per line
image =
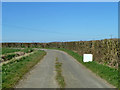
x=59 y=77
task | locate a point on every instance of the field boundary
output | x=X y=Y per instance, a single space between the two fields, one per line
x=16 y=58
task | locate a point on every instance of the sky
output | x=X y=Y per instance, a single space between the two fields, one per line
x=60 y=0
x=59 y=21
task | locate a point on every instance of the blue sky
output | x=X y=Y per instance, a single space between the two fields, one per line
x=60 y=21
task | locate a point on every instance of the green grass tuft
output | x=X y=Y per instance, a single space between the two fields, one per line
x=59 y=77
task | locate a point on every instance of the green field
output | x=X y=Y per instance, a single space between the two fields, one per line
x=105 y=72
x=8 y=53
x=13 y=71
x=9 y=50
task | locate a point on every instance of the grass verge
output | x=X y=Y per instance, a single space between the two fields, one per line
x=105 y=72
x=12 y=72
x=59 y=77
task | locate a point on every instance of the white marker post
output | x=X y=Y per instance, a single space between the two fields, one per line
x=87 y=57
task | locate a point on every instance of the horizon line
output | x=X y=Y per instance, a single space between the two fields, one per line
x=52 y=41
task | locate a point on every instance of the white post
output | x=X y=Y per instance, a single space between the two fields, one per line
x=87 y=57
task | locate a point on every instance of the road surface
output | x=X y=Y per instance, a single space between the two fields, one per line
x=75 y=74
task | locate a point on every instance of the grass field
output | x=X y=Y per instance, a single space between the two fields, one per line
x=8 y=53
x=105 y=72
x=9 y=50
x=12 y=72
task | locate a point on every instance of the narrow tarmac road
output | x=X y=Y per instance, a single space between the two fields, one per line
x=75 y=74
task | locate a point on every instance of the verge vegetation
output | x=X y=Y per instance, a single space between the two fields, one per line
x=105 y=72
x=13 y=71
x=59 y=77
